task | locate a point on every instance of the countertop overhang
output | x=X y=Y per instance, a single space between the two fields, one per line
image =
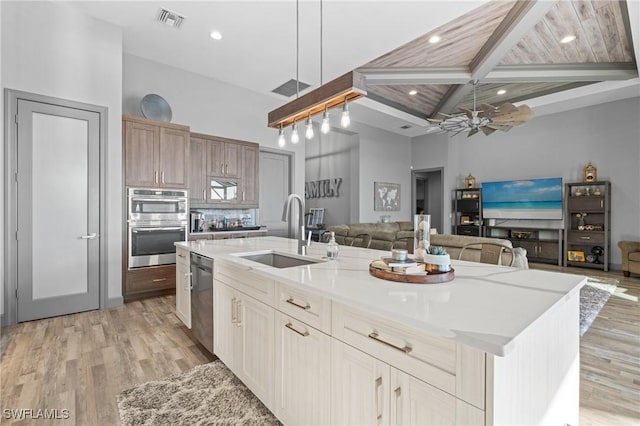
x=486 y=306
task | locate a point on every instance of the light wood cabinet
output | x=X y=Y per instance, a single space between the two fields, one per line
x=156 y=154
x=225 y=172
x=303 y=373
x=183 y=291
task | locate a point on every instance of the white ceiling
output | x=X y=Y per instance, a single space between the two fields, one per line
x=258 y=49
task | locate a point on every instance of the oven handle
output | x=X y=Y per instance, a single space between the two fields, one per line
x=168 y=200
x=179 y=228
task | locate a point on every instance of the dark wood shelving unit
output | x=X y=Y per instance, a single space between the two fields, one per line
x=542 y=244
x=593 y=233
x=467 y=212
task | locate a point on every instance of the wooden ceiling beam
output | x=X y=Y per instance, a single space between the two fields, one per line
x=521 y=18
x=561 y=72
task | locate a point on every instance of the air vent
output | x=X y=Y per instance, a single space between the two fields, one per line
x=288 y=89
x=170 y=18
x=405 y=127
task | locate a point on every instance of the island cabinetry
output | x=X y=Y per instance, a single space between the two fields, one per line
x=303 y=373
x=450 y=367
x=244 y=339
x=156 y=154
x=183 y=286
x=306 y=307
x=224 y=172
x=588 y=224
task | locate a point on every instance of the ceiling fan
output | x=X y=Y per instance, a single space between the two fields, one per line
x=488 y=119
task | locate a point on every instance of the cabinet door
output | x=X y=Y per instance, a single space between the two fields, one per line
x=414 y=402
x=183 y=293
x=197 y=173
x=250 y=158
x=173 y=157
x=141 y=154
x=256 y=323
x=303 y=373
x=232 y=159
x=360 y=385
x=215 y=158
x=548 y=250
x=225 y=324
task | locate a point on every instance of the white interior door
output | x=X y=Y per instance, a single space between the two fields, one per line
x=275 y=187
x=58 y=210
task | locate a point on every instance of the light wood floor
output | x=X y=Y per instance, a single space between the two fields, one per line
x=81 y=362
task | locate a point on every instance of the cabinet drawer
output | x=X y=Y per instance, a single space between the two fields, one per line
x=309 y=308
x=586 y=204
x=192 y=237
x=586 y=238
x=262 y=289
x=183 y=256
x=430 y=359
x=150 y=279
x=470 y=230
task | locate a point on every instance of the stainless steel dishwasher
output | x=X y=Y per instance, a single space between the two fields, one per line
x=202 y=300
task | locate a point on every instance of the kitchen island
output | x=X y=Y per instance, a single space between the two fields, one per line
x=496 y=345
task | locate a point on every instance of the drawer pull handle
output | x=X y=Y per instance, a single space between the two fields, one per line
x=157 y=280
x=306 y=306
x=292 y=328
x=585 y=238
x=181 y=255
x=375 y=337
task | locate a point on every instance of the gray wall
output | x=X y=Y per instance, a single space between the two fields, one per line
x=333 y=156
x=50 y=49
x=550 y=146
x=206 y=105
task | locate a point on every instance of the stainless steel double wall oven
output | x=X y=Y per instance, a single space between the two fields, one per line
x=156 y=219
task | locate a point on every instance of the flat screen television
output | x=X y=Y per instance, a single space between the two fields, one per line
x=522 y=199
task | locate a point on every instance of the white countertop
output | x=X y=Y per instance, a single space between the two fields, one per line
x=485 y=306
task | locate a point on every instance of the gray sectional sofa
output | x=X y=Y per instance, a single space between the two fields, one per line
x=387 y=236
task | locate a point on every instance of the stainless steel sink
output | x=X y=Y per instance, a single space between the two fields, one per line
x=277 y=260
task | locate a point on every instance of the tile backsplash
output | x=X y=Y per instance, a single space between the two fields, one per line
x=215 y=218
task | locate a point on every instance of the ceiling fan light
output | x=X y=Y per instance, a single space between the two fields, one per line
x=326 y=126
x=281 y=141
x=309 y=129
x=345 y=120
x=295 y=138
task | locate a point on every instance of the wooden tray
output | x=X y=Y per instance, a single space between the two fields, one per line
x=430 y=278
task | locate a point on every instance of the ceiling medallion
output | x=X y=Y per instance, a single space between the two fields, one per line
x=488 y=119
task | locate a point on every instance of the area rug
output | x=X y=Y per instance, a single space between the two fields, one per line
x=593 y=297
x=208 y=394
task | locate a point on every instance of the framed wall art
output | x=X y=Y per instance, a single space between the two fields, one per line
x=386 y=196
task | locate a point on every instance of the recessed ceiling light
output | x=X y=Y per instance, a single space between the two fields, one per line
x=215 y=35
x=568 y=39
x=501 y=92
x=434 y=39
x=413 y=92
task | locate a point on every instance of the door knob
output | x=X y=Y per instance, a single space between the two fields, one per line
x=89 y=237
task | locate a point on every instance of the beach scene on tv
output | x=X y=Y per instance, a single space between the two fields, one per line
x=523 y=199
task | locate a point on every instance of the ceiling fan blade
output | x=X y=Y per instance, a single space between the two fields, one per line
x=434 y=120
x=507 y=107
x=488 y=110
x=467 y=111
x=472 y=132
x=487 y=130
x=497 y=126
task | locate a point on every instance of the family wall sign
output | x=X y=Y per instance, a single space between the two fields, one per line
x=322 y=188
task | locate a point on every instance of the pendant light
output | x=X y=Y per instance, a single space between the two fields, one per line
x=295 y=138
x=281 y=141
x=345 y=120
x=309 y=131
x=326 y=126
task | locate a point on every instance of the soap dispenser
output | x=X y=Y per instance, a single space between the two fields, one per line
x=332 y=247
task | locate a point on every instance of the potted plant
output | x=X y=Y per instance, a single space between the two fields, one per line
x=436 y=259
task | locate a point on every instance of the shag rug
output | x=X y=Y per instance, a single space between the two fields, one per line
x=593 y=296
x=208 y=394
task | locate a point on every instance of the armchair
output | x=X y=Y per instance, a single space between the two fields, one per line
x=630 y=257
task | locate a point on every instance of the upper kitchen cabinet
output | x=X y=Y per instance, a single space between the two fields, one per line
x=223 y=172
x=156 y=153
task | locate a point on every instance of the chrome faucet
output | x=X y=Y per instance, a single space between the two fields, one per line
x=302 y=243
